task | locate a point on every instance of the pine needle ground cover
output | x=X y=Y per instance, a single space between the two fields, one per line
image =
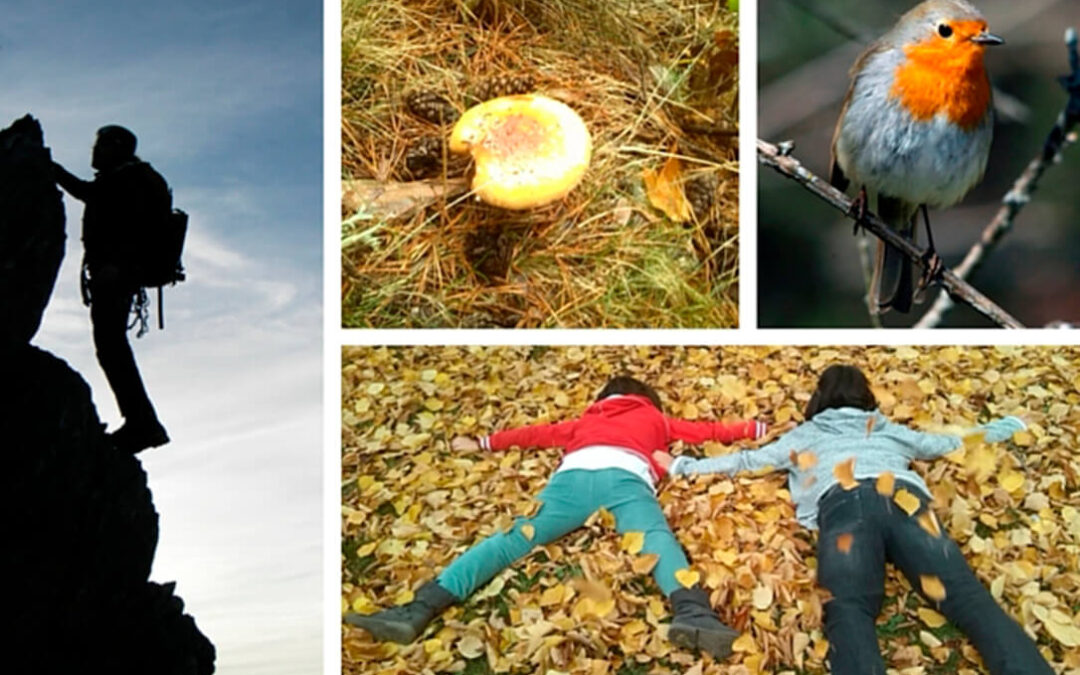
x=648 y=239
x=410 y=505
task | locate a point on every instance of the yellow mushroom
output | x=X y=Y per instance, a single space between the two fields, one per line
x=529 y=150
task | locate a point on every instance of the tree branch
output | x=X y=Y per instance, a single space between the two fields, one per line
x=771 y=156
x=1020 y=194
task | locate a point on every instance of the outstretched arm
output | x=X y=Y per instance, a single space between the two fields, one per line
x=535 y=436
x=725 y=432
x=925 y=445
x=75 y=186
x=776 y=455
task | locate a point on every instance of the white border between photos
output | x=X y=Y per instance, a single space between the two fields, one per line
x=335 y=337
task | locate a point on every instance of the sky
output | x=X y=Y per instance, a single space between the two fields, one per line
x=226 y=100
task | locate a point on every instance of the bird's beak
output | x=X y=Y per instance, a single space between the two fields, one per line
x=987 y=39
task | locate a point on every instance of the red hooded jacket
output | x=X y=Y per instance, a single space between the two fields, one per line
x=630 y=422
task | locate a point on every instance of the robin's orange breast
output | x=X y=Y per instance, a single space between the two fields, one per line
x=945 y=75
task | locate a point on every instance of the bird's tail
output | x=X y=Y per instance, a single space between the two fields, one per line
x=893 y=285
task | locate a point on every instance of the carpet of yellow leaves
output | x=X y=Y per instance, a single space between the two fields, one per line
x=585 y=604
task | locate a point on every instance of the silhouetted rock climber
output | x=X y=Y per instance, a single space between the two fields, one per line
x=126 y=199
x=79 y=525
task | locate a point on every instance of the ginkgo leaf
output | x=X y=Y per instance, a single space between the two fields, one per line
x=931 y=618
x=687 y=577
x=553 y=596
x=845 y=473
x=929 y=522
x=665 y=191
x=643 y=564
x=762 y=597
x=632 y=542
x=844 y=541
x=870 y=425
x=745 y=643
x=528 y=531
x=907 y=501
x=932 y=587
x=470 y=646
x=806 y=460
x=886 y=483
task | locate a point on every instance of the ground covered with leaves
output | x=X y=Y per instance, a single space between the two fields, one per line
x=650 y=237
x=586 y=604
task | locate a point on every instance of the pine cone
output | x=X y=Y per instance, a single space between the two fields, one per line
x=701 y=193
x=506 y=84
x=429 y=106
x=423 y=159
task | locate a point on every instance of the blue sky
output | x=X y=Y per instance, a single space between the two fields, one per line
x=226 y=100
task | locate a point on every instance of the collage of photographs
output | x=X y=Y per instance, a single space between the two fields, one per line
x=568 y=337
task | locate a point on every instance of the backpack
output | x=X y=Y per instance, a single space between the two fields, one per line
x=160 y=264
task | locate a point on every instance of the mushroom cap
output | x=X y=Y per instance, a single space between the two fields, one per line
x=529 y=150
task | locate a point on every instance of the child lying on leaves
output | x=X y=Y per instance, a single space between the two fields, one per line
x=849 y=475
x=607 y=463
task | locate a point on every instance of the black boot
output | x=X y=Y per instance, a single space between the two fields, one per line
x=405 y=623
x=695 y=625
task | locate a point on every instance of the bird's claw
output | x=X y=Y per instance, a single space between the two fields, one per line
x=859 y=209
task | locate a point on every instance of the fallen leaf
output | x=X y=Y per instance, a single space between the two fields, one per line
x=632 y=542
x=807 y=460
x=845 y=473
x=665 y=191
x=870 y=425
x=886 y=482
x=762 y=597
x=844 y=541
x=687 y=577
x=643 y=564
x=931 y=618
x=907 y=501
x=932 y=587
x=528 y=531
x=929 y=522
x=470 y=646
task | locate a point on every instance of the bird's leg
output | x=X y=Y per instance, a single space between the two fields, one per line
x=932 y=264
x=859 y=208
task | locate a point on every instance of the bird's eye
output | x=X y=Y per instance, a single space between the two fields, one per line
x=944 y=30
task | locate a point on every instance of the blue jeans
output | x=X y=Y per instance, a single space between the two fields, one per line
x=568 y=500
x=881 y=531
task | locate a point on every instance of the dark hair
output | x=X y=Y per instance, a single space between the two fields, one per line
x=624 y=384
x=841 y=386
x=119 y=137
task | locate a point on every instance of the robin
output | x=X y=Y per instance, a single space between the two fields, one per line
x=915 y=130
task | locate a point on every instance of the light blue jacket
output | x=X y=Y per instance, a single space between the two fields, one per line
x=834 y=436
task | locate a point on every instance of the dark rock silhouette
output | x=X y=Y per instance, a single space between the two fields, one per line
x=79 y=529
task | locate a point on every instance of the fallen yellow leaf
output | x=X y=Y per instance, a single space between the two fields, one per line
x=844 y=541
x=632 y=542
x=762 y=597
x=745 y=643
x=807 y=460
x=528 y=531
x=929 y=522
x=687 y=577
x=932 y=587
x=907 y=501
x=931 y=618
x=665 y=191
x=845 y=473
x=886 y=483
x=643 y=564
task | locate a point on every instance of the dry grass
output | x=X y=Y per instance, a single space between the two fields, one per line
x=646 y=76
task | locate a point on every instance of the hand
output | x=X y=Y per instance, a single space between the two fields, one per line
x=464 y=444
x=662 y=458
x=1003 y=429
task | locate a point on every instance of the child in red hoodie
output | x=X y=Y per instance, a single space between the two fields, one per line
x=607 y=463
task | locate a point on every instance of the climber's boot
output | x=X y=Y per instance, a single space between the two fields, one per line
x=405 y=623
x=696 y=626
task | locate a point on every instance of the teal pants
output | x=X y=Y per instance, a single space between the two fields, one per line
x=568 y=500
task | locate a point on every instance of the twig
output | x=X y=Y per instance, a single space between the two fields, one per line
x=771 y=156
x=1020 y=194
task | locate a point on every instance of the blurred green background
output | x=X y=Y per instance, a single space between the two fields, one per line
x=808 y=262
